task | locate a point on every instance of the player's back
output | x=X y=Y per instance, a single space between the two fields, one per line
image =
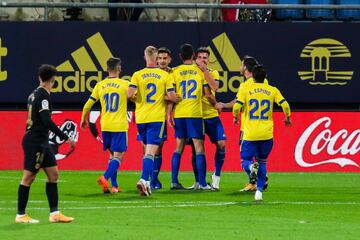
x=113 y=99
x=189 y=81
x=247 y=82
x=152 y=85
x=258 y=99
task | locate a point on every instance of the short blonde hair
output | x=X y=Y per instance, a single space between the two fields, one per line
x=150 y=53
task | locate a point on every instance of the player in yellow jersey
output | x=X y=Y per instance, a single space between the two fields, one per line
x=190 y=81
x=257 y=99
x=163 y=61
x=248 y=64
x=213 y=126
x=151 y=85
x=111 y=92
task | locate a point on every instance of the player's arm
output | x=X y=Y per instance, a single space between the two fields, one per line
x=169 y=114
x=237 y=108
x=170 y=90
x=87 y=107
x=172 y=97
x=209 y=96
x=238 y=105
x=213 y=84
x=45 y=116
x=280 y=100
x=85 y=111
x=131 y=92
x=220 y=105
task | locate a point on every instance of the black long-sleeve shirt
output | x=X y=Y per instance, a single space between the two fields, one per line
x=39 y=120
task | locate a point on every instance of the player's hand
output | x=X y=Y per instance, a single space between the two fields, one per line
x=201 y=64
x=236 y=120
x=170 y=120
x=287 y=122
x=71 y=142
x=133 y=98
x=219 y=106
x=84 y=124
x=178 y=98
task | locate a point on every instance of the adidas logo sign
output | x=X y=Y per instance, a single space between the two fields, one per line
x=228 y=63
x=87 y=72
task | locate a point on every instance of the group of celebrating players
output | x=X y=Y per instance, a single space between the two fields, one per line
x=184 y=97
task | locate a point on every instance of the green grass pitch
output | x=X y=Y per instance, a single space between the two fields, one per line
x=296 y=206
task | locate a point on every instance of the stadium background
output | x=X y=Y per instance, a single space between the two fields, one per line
x=313 y=64
x=312 y=55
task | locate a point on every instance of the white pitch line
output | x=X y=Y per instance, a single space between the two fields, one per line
x=186 y=204
x=19 y=179
x=131 y=207
x=118 y=202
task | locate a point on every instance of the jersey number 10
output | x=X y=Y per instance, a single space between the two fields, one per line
x=112 y=102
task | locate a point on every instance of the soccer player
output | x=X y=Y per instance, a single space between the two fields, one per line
x=246 y=68
x=257 y=99
x=213 y=126
x=37 y=151
x=111 y=92
x=163 y=61
x=148 y=87
x=190 y=82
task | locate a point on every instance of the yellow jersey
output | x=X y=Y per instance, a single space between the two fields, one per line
x=258 y=100
x=112 y=93
x=248 y=81
x=208 y=109
x=152 y=84
x=189 y=82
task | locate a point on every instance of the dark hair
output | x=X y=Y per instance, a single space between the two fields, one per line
x=202 y=50
x=112 y=63
x=46 y=72
x=186 y=51
x=259 y=73
x=249 y=62
x=164 y=50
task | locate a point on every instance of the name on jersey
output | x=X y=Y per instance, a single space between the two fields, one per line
x=260 y=90
x=186 y=72
x=151 y=75
x=113 y=85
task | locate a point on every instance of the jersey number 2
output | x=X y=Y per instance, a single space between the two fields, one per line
x=152 y=88
x=254 y=105
x=112 y=102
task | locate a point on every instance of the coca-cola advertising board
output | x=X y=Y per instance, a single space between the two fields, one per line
x=316 y=142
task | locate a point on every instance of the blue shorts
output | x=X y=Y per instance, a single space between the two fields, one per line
x=214 y=129
x=258 y=149
x=151 y=133
x=139 y=138
x=189 y=128
x=115 y=141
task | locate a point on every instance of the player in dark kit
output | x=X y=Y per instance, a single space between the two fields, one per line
x=37 y=151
